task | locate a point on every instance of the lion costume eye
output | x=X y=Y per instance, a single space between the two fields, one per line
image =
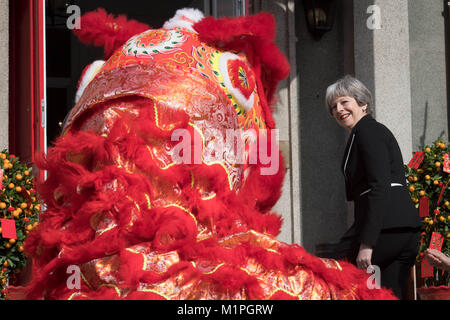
x=239 y=80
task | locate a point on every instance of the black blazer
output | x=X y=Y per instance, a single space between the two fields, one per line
x=375 y=180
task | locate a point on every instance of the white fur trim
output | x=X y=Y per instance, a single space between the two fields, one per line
x=90 y=73
x=184 y=18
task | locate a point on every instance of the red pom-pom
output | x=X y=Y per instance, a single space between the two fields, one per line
x=104 y=30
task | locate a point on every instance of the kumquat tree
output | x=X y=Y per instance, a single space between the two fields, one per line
x=429 y=183
x=19 y=213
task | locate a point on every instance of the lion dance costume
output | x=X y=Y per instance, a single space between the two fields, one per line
x=139 y=225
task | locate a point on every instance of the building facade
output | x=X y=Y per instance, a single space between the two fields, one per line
x=396 y=47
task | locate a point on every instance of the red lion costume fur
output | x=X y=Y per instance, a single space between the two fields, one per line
x=139 y=226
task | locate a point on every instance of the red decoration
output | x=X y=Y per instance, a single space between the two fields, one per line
x=442 y=191
x=416 y=160
x=8 y=228
x=446 y=163
x=424 y=206
x=426 y=269
x=241 y=77
x=103 y=29
x=1 y=178
x=436 y=241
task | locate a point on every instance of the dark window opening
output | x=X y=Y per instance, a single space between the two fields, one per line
x=66 y=57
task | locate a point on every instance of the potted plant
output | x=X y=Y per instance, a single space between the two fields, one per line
x=429 y=184
x=19 y=212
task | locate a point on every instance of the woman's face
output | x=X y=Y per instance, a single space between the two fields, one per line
x=347 y=112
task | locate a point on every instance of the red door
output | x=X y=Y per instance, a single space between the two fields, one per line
x=27 y=80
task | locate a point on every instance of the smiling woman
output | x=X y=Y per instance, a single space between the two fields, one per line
x=347 y=111
x=386 y=228
x=348 y=100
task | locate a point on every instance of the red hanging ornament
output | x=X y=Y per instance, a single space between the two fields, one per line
x=446 y=163
x=416 y=160
x=424 y=206
x=436 y=241
x=442 y=191
x=8 y=228
x=426 y=270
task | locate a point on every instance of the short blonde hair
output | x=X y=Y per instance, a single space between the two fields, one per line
x=352 y=87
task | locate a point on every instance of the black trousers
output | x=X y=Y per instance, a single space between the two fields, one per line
x=394 y=253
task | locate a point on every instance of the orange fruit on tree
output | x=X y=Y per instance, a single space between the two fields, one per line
x=436 y=182
x=446 y=203
x=415 y=179
x=29 y=227
x=5 y=264
x=12 y=241
x=437 y=164
x=427 y=149
x=2 y=205
x=421 y=193
x=26 y=172
x=2 y=156
x=442 y=219
x=11 y=185
x=23 y=205
x=411 y=188
x=20 y=249
x=411 y=179
x=427 y=177
x=19 y=177
x=18 y=189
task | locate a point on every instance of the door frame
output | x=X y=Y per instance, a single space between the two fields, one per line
x=27 y=103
